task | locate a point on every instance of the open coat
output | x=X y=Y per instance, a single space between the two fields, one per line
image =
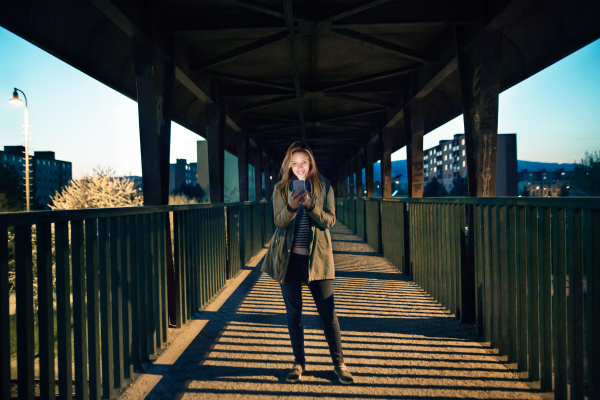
x=320 y=260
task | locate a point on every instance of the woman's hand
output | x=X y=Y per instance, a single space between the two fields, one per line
x=307 y=201
x=296 y=199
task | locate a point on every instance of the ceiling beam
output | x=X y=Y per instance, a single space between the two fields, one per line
x=240 y=51
x=371 y=78
x=249 y=81
x=384 y=44
x=259 y=8
x=355 y=10
x=267 y=103
x=359 y=100
x=353 y=115
x=289 y=20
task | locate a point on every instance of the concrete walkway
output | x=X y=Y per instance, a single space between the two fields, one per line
x=397 y=342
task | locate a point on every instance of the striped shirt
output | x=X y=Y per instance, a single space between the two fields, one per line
x=302 y=231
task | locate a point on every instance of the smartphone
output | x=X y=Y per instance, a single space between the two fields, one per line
x=298 y=185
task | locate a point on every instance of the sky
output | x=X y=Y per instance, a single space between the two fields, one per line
x=555 y=113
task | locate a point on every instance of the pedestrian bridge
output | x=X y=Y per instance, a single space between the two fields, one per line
x=427 y=309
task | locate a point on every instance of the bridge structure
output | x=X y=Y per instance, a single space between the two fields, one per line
x=356 y=81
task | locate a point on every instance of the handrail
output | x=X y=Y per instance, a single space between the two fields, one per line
x=587 y=203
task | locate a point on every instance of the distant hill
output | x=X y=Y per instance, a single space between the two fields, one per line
x=534 y=166
x=399 y=167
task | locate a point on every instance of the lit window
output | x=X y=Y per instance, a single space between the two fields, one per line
x=446 y=157
x=463 y=142
x=446 y=167
x=464 y=163
x=463 y=153
x=434 y=169
x=445 y=147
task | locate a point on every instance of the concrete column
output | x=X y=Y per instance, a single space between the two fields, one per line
x=268 y=187
x=215 y=121
x=369 y=170
x=154 y=83
x=258 y=174
x=360 y=162
x=479 y=65
x=242 y=154
x=414 y=150
x=350 y=168
x=386 y=135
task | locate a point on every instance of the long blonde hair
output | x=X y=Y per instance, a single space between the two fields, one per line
x=287 y=175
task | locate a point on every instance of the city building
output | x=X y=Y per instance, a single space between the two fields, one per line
x=182 y=173
x=544 y=183
x=48 y=175
x=447 y=161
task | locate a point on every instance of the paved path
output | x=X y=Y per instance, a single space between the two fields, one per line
x=397 y=342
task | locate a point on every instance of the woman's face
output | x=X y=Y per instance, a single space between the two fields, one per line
x=300 y=164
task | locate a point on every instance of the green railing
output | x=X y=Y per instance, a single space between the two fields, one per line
x=97 y=289
x=525 y=270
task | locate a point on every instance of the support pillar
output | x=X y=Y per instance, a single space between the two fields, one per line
x=268 y=187
x=242 y=154
x=360 y=161
x=479 y=65
x=215 y=132
x=154 y=84
x=258 y=174
x=386 y=135
x=369 y=170
x=414 y=150
x=350 y=170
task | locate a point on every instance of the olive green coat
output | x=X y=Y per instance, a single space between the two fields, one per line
x=320 y=260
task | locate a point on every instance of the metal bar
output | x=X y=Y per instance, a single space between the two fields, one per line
x=255 y=7
x=63 y=311
x=161 y=279
x=140 y=281
x=93 y=309
x=45 y=311
x=106 y=317
x=240 y=51
x=267 y=103
x=149 y=266
x=25 y=317
x=575 y=304
x=587 y=245
x=289 y=21
x=533 y=276
x=79 y=317
x=513 y=230
x=402 y=51
x=127 y=254
x=545 y=253
x=559 y=302
x=355 y=10
x=523 y=266
x=594 y=300
x=503 y=287
x=5 y=370
x=370 y=78
x=117 y=242
x=495 y=277
x=249 y=81
x=133 y=286
x=487 y=274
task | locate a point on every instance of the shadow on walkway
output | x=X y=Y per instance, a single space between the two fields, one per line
x=398 y=342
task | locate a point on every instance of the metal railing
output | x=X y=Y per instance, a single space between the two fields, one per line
x=102 y=286
x=525 y=270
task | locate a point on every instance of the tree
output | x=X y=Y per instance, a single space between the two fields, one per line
x=192 y=191
x=460 y=188
x=585 y=180
x=434 y=188
x=98 y=190
x=11 y=190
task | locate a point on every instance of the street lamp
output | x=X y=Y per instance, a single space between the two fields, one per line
x=16 y=100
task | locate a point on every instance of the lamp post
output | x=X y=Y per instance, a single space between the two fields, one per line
x=16 y=100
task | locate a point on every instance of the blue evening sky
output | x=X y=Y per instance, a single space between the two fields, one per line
x=556 y=113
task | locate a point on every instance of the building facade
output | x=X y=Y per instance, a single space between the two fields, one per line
x=544 y=183
x=182 y=173
x=48 y=175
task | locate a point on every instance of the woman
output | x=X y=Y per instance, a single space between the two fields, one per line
x=303 y=220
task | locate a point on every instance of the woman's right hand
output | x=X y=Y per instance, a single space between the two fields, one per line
x=296 y=199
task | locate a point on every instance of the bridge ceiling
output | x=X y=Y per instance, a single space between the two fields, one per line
x=332 y=71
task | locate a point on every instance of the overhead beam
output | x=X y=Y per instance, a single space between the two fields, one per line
x=358 y=100
x=385 y=45
x=267 y=103
x=355 y=10
x=240 y=51
x=350 y=116
x=259 y=8
x=249 y=81
x=371 y=78
x=289 y=20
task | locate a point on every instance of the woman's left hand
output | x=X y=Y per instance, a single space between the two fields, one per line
x=307 y=201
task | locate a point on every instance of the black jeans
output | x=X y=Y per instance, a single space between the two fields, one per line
x=322 y=292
